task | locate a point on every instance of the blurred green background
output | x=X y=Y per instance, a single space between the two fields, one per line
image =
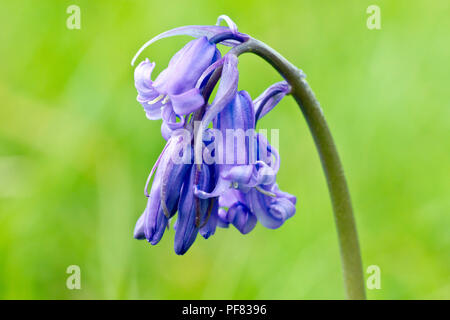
x=76 y=148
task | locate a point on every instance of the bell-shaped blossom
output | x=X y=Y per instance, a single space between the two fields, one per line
x=194 y=214
x=271 y=210
x=174 y=94
x=233 y=209
x=270 y=98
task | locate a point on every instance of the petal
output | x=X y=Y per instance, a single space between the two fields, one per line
x=282 y=194
x=270 y=98
x=139 y=228
x=271 y=212
x=238 y=114
x=173 y=177
x=282 y=207
x=187 y=102
x=240 y=174
x=208 y=72
x=222 y=218
x=262 y=174
x=266 y=153
x=143 y=81
x=227 y=19
x=155 y=222
x=225 y=94
x=166 y=132
x=241 y=217
x=221 y=187
x=152 y=112
x=187 y=229
x=236 y=124
x=230 y=197
x=194 y=59
x=170 y=118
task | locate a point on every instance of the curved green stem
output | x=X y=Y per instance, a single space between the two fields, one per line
x=337 y=185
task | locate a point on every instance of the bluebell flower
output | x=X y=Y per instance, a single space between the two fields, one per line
x=194 y=214
x=262 y=199
x=255 y=177
x=270 y=98
x=234 y=209
x=174 y=93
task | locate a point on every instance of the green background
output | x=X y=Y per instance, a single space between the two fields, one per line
x=76 y=148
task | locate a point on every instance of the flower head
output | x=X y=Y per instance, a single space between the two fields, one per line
x=240 y=189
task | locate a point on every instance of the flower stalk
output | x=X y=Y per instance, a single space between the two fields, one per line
x=331 y=164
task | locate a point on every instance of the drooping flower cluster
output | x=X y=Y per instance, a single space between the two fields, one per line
x=215 y=169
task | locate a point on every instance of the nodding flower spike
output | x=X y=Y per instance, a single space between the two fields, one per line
x=240 y=191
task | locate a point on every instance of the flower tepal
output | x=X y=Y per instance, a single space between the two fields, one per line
x=201 y=195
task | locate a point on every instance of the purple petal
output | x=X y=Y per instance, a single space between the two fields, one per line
x=210 y=227
x=282 y=194
x=153 y=222
x=271 y=212
x=166 y=132
x=225 y=94
x=230 y=197
x=240 y=174
x=270 y=98
x=227 y=19
x=152 y=112
x=139 y=228
x=241 y=217
x=266 y=153
x=222 y=218
x=262 y=174
x=170 y=118
x=194 y=59
x=143 y=80
x=207 y=73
